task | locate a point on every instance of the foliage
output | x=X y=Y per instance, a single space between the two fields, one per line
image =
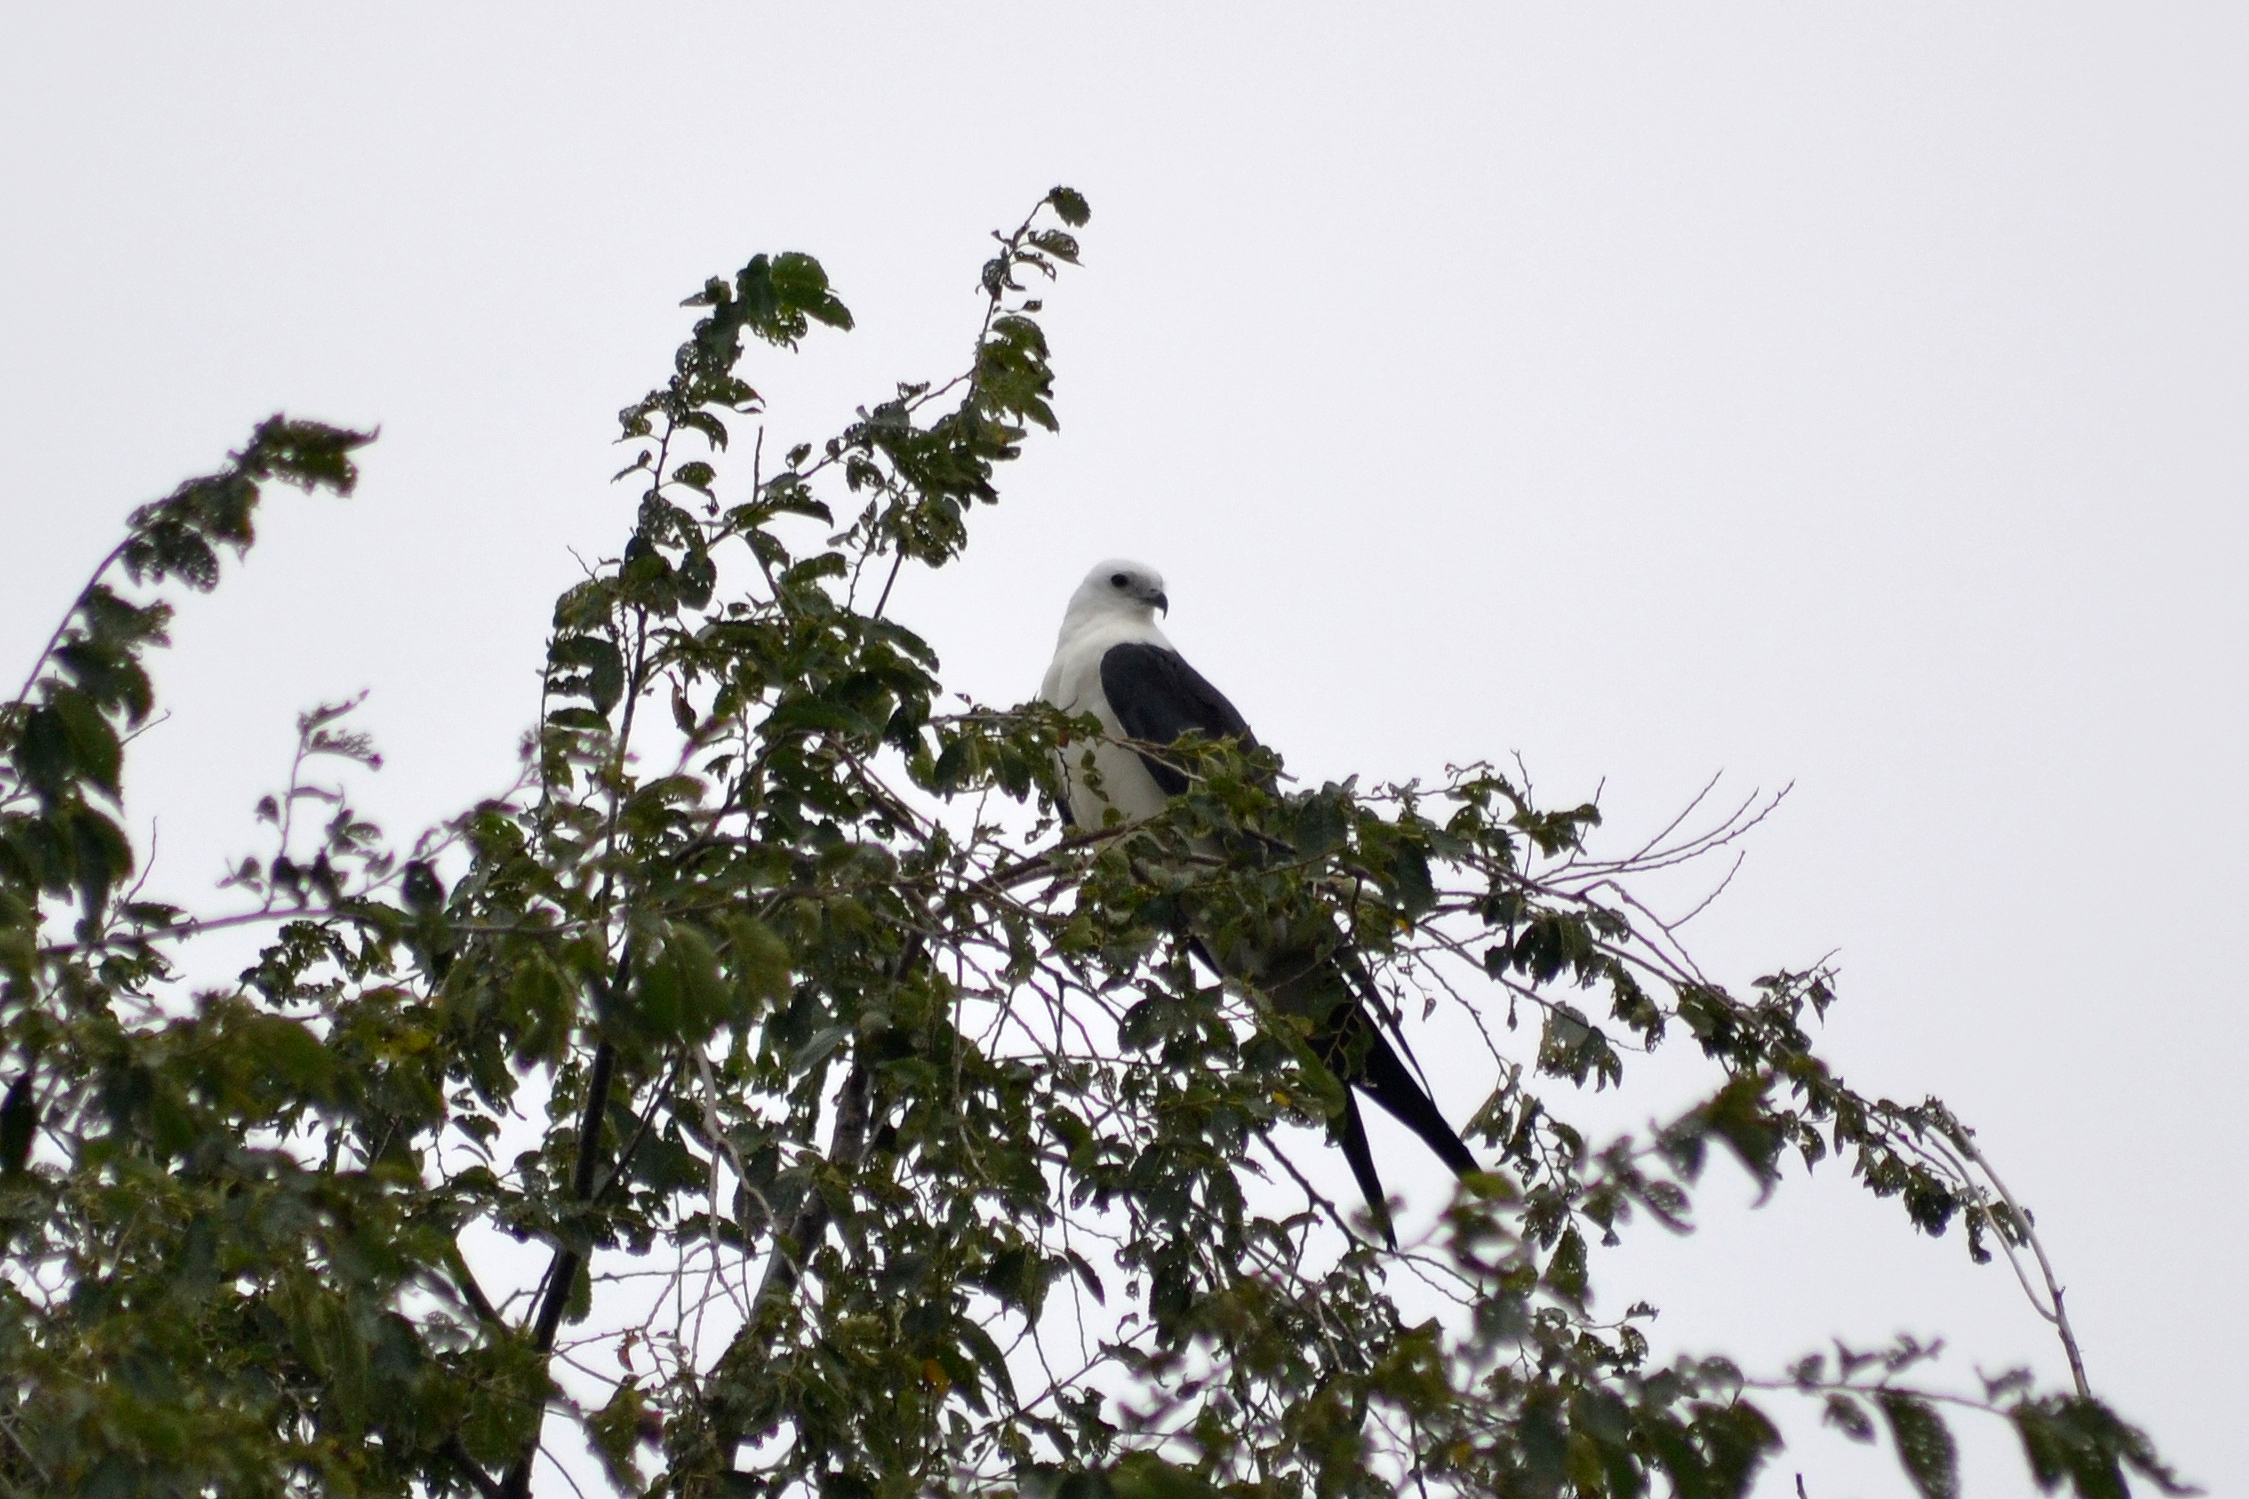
x=768 y=1086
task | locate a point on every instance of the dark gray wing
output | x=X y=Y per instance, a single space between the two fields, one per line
x=1157 y=696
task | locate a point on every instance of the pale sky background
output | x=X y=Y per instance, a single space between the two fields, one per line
x=1845 y=395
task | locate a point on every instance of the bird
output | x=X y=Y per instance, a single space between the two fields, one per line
x=1113 y=662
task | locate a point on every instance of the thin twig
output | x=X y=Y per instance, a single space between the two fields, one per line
x=2059 y=1315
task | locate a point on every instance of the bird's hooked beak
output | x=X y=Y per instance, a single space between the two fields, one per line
x=1161 y=604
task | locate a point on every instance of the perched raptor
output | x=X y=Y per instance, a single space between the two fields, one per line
x=1112 y=662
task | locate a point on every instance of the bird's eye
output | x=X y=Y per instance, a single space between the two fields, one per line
x=1118 y=580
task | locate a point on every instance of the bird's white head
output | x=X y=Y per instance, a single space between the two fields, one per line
x=1117 y=589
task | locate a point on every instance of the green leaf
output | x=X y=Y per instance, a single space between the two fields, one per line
x=1054 y=242
x=101 y=857
x=1565 y=1273
x=1738 y=1116
x=989 y=1358
x=283 y=1051
x=2087 y=1443
x=758 y=959
x=680 y=995
x=818 y=1049
x=42 y=753
x=616 y=1430
x=695 y=578
x=1085 y=1274
x=1410 y=885
x=1849 y=1417
x=602 y=664
x=1069 y=206
x=94 y=749
x=1143 y=1475
x=1924 y=1442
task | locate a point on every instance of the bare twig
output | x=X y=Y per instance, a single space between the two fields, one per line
x=2056 y=1314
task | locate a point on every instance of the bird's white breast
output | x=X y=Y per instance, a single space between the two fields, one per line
x=1073 y=684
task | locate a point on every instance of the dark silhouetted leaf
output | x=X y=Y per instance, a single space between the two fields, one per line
x=1925 y=1446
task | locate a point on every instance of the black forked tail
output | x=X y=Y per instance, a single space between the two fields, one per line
x=1384 y=1077
x=1351 y=1135
x=1350 y=1043
x=1388 y=1082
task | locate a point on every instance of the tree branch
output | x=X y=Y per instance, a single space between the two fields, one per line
x=562 y=1272
x=478 y=1479
x=794 y=1241
x=2059 y=1316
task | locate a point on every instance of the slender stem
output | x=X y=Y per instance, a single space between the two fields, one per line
x=39 y=663
x=847 y=1145
x=562 y=1271
x=1012 y=245
x=472 y=1292
x=631 y=1147
x=2059 y=1316
x=896 y=563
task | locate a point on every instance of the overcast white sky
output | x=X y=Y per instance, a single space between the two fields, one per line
x=1845 y=395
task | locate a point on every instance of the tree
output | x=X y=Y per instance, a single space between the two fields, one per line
x=768 y=1086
